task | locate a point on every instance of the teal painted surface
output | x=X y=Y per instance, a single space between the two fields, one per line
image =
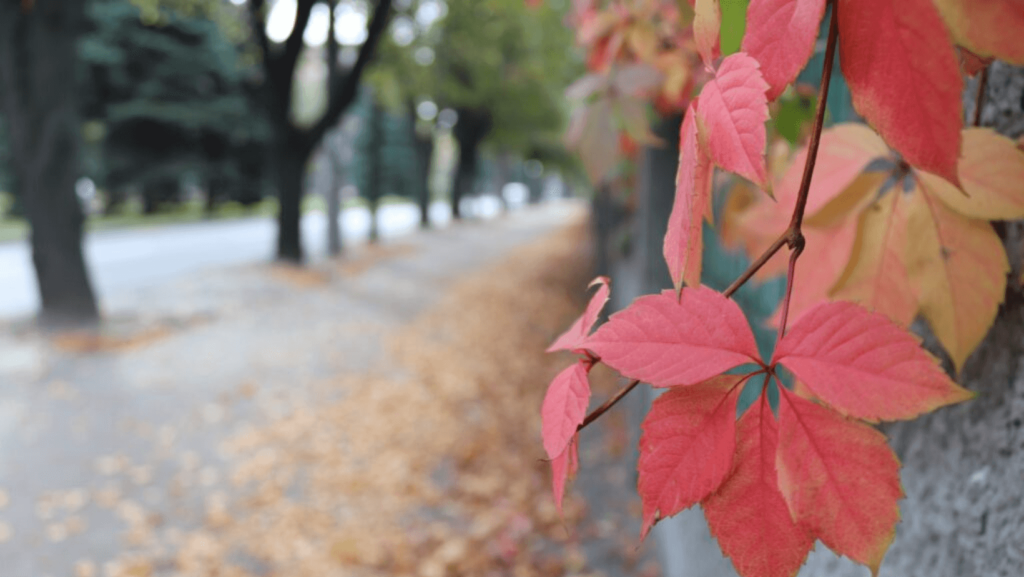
x=840 y=105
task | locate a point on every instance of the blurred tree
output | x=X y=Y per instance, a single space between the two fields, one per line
x=171 y=95
x=39 y=98
x=503 y=67
x=293 y=144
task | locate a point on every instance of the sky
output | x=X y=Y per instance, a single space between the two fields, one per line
x=350 y=22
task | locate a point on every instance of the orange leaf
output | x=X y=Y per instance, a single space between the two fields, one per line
x=845 y=150
x=987 y=27
x=748 y=514
x=707 y=21
x=839 y=478
x=992 y=175
x=876 y=277
x=959 y=267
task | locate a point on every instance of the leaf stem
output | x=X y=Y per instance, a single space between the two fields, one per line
x=793 y=237
x=979 y=100
x=608 y=404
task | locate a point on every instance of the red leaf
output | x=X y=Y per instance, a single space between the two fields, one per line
x=686 y=449
x=747 y=514
x=904 y=77
x=573 y=338
x=563 y=467
x=839 y=478
x=564 y=408
x=666 y=341
x=683 y=241
x=780 y=35
x=865 y=365
x=733 y=109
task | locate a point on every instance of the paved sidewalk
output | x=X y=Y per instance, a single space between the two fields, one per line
x=117 y=442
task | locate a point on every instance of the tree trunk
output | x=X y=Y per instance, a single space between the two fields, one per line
x=290 y=172
x=375 y=178
x=423 y=142
x=38 y=92
x=470 y=130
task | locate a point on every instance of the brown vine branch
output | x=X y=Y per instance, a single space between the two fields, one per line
x=793 y=237
x=608 y=404
x=979 y=100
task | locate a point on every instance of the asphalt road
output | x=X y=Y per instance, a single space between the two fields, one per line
x=125 y=261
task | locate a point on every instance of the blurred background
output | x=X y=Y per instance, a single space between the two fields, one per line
x=276 y=279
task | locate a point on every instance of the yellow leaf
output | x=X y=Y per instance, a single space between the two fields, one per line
x=992 y=174
x=858 y=195
x=959 y=267
x=876 y=276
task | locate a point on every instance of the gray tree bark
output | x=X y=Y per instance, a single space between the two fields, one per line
x=38 y=67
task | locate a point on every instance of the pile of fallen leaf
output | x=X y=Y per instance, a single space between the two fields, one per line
x=430 y=466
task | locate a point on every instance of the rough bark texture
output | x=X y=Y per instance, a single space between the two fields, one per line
x=38 y=98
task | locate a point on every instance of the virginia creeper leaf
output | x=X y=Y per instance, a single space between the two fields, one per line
x=904 y=78
x=686 y=450
x=839 y=479
x=864 y=365
x=959 y=267
x=748 y=514
x=573 y=338
x=845 y=150
x=876 y=276
x=733 y=109
x=820 y=266
x=987 y=27
x=683 y=240
x=707 y=21
x=564 y=467
x=992 y=175
x=668 y=340
x=780 y=35
x=564 y=408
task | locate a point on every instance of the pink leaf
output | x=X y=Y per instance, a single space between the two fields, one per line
x=865 y=365
x=683 y=240
x=899 y=62
x=780 y=35
x=687 y=446
x=563 y=467
x=667 y=340
x=572 y=339
x=733 y=109
x=564 y=408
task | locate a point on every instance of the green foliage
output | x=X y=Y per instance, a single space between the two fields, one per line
x=168 y=99
x=734 y=24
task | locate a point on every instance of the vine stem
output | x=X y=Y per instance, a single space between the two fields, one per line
x=792 y=237
x=608 y=404
x=979 y=100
